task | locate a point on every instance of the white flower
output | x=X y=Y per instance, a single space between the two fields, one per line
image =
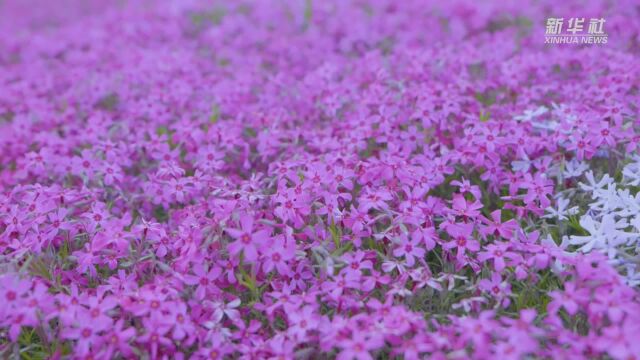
x=612 y=220
x=635 y=222
x=607 y=200
x=631 y=172
x=467 y=303
x=221 y=309
x=521 y=165
x=551 y=244
x=550 y=125
x=451 y=279
x=630 y=205
x=594 y=185
x=559 y=111
x=562 y=211
x=574 y=168
x=390 y=265
x=531 y=114
x=633 y=275
x=604 y=235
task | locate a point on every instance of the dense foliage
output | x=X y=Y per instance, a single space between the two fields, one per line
x=317 y=179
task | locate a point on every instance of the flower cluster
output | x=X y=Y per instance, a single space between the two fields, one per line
x=611 y=221
x=303 y=179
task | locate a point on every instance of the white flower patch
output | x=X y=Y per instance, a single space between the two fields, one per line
x=612 y=220
x=605 y=235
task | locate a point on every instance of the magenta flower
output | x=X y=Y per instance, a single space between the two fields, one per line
x=465 y=187
x=118 y=340
x=499 y=253
x=357 y=261
x=319 y=179
x=496 y=227
x=340 y=284
x=583 y=147
x=603 y=132
x=301 y=322
x=85 y=164
x=278 y=256
x=154 y=336
x=461 y=239
x=283 y=299
x=358 y=346
x=179 y=188
x=248 y=240
x=203 y=279
x=497 y=288
x=538 y=189
x=112 y=174
x=86 y=335
x=98 y=310
x=460 y=207
x=292 y=207
x=182 y=325
x=410 y=249
x=568 y=299
x=300 y=276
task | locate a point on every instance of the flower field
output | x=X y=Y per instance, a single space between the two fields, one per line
x=306 y=179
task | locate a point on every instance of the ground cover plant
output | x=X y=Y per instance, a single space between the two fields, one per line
x=318 y=179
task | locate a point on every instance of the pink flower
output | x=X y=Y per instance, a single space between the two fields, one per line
x=117 y=340
x=301 y=322
x=583 y=147
x=465 y=187
x=86 y=335
x=247 y=239
x=112 y=174
x=300 y=276
x=86 y=164
x=498 y=252
x=538 y=189
x=497 y=288
x=179 y=188
x=182 y=325
x=603 y=132
x=461 y=239
x=568 y=299
x=410 y=249
x=97 y=311
x=154 y=336
x=341 y=283
x=460 y=207
x=357 y=261
x=203 y=279
x=292 y=206
x=278 y=256
x=358 y=346
x=496 y=227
